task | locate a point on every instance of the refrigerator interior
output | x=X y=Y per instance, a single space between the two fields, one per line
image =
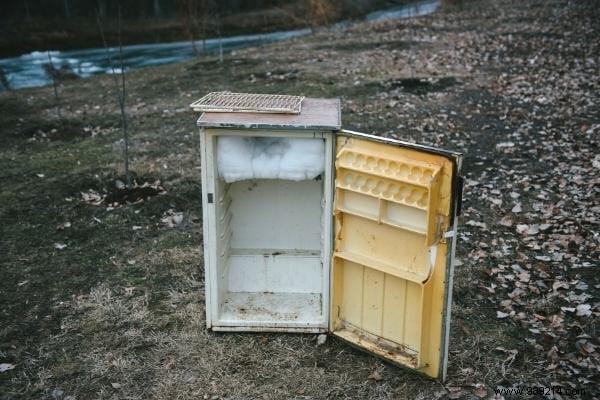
x=270 y=252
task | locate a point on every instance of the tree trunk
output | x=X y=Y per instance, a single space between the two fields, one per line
x=156 y=9
x=102 y=8
x=27 y=13
x=67 y=7
x=220 y=39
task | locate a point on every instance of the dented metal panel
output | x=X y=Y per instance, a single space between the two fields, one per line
x=393 y=205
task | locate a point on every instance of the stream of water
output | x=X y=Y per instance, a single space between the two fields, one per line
x=28 y=70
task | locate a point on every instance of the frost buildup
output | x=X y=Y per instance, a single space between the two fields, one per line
x=297 y=159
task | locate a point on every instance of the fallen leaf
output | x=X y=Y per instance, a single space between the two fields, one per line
x=501 y=315
x=584 y=310
x=481 y=225
x=321 y=339
x=506 y=221
x=375 y=375
x=169 y=363
x=507 y=351
x=92 y=197
x=556 y=321
x=553 y=353
x=503 y=145
x=524 y=277
x=63 y=226
x=172 y=219
x=480 y=391
x=6 y=367
x=586 y=347
x=528 y=230
x=454 y=392
x=560 y=285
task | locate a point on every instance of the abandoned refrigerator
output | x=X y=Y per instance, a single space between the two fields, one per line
x=310 y=228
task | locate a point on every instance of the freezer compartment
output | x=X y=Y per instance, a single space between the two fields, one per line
x=270 y=266
x=242 y=158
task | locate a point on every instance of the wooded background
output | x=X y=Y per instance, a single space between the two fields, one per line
x=25 y=9
x=41 y=25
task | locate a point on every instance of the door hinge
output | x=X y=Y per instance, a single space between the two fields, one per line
x=449 y=234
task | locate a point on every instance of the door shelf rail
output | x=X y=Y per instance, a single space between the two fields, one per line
x=404 y=272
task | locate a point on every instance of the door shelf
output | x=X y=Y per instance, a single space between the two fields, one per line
x=419 y=277
x=415 y=172
x=387 y=189
x=381 y=211
x=383 y=220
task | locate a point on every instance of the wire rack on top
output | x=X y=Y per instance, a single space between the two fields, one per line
x=248 y=102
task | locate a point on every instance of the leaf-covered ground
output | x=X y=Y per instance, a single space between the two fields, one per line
x=102 y=291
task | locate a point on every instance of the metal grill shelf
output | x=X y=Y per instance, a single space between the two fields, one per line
x=248 y=102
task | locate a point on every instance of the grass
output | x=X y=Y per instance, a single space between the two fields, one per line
x=119 y=312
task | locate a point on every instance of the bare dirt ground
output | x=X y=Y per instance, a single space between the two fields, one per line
x=102 y=295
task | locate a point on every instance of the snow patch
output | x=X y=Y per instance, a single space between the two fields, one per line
x=240 y=158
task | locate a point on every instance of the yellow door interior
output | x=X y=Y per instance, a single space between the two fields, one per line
x=392 y=207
